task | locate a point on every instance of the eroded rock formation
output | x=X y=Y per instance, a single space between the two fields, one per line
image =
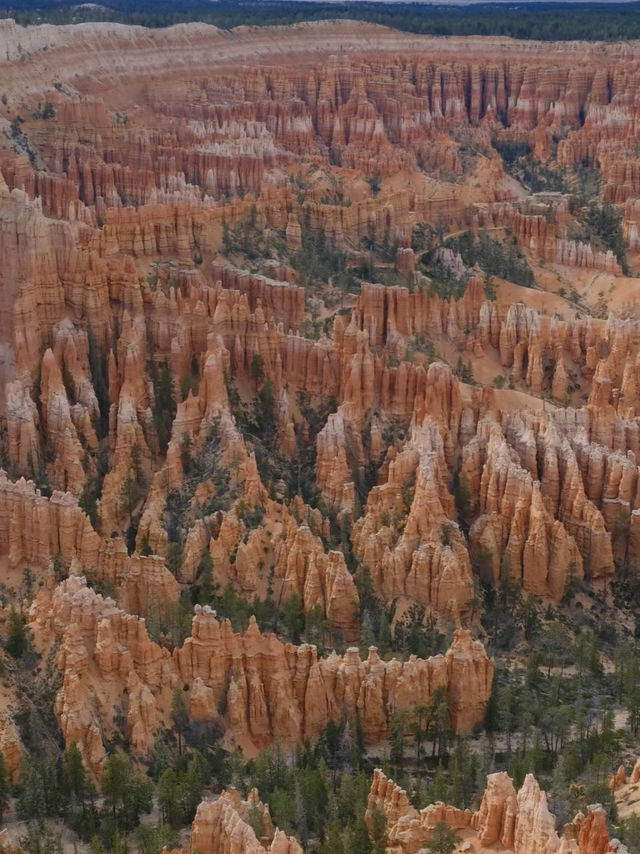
x=222 y=825
x=171 y=362
x=269 y=690
x=518 y=822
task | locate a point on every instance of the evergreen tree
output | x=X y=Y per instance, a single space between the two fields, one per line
x=179 y=717
x=99 y=371
x=378 y=830
x=333 y=843
x=257 y=369
x=462 y=776
x=204 y=575
x=399 y=726
x=359 y=751
x=631 y=833
x=126 y=793
x=40 y=839
x=491 y=718
x=32 y=798
x=114 y=782
x=443 y=839
x=164 y=404
x=439 y=785
x=359 y=841
x=74 y=775
x=16 y=634
x=153 y=840
x=4 y=786
x=293 y=617
x=130 y=495
x=506 y=713
x=167 y=797
x=463 y=499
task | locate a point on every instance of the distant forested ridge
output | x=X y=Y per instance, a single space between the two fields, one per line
x=546 y=21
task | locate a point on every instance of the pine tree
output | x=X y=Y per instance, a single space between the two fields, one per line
x=419 y=726
x=491 y=718
x=359 y=751
x=378 y=830
x=463 y=498
x=74 y=775
x=204 y=575
x=179 y=717
x=443 y=839
x=167 y=797
x=333 y=843
x=505 y=713
x=439 y=785
x=40 y=839
x=194 y=783
x=360 y=841
x=293 y=617
x=164 y=404
x=114 y=783
x=257 y=369
x=32 y=799
x=16 y=635
x=100 y=381
x=130 y=494
x=4 y=785
x=398 y=733
x=151 y=840
x=462 y=775
x=302 y=826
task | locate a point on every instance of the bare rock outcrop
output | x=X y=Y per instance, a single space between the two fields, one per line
x=518 y=822
x=270 y=690
x=318 y=579
x=36 y=532
x=222 y=826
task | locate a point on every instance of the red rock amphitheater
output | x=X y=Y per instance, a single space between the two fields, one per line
x=158 y=192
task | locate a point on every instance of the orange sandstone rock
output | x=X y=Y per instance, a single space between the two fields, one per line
x=223 y=826
x=270 y=690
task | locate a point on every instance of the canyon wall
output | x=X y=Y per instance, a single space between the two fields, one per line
x=253 y=686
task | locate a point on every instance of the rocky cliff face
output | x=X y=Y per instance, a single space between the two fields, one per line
x=256 y=687
x=52 y=535
x=518 y=822
x=197 y=401
x=222 y=825
x=202 y=321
